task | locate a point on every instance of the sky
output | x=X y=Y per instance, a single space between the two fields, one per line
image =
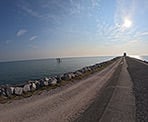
x=34 y=29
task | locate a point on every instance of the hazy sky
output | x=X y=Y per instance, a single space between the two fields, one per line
x=60 y=28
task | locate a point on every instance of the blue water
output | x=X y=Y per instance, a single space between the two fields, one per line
x=20 y=71
x=144 y=58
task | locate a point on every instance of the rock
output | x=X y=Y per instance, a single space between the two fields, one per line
x=41 y=83
x=59 y=78
x=9 y=91
x=12 y=90
x=98 y=65
x=78 y=73
x=88 y=68
x=33 y=87
x=72 y=75
x=46 y=79
x=81 y=70
x=67 y=76
x=2 y=91
x=30 y=81
x=53 y=81
x=45 y=83
x=6 y=91
x=18 y=90
x=26 y=87
x=85 y=69
x=93 y=68
x=37 y=83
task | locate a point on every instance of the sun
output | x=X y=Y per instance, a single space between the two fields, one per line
x=127 y=23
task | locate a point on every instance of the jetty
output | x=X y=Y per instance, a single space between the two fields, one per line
x=112 y=91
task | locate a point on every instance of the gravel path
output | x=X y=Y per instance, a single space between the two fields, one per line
x=121 y=107
x=139 y=74
x=116 y=103
x=65 y=105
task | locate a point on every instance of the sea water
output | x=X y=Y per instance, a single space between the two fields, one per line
x=18 y=72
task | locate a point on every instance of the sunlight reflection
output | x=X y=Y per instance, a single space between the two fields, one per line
x=136 y=56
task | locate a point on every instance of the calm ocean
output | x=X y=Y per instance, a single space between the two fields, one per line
x=20 y=71
x=144 y=58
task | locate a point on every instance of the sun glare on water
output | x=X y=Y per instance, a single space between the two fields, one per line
x=136 y=56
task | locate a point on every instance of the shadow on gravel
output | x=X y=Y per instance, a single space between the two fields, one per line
x=139 y=75
x=95 y=111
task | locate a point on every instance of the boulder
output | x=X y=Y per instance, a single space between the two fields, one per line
x=0 y=91
x=46 y=79
x=41 y=83
x=3 y=91
x=12 y=90
x=81 y=70
x=85 y=69
x=37 y=83
x=27 y=87
x=45 y=83
x=78 y=73
x=89 y=69
x=9 y=91
x=18 y=90
x=72 y=75
x=53 y=81
x=33 y=87
x=67 y=76
x=98 y=65
x=30 y=81
x=59 y=78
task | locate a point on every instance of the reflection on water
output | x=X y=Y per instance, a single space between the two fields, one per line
x=137 y=56
x=144 y=58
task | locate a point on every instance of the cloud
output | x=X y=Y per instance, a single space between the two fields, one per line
x=33 y=46
x=33 y=38
x=95 y=3
x=31 y=11
x=21 y=32
x=26 y=7
x=116 y=32
x=144 y=33
x=124 y=9
x=8 y=41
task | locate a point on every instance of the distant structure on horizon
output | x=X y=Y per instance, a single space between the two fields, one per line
x=124 y=54
x=58 y=60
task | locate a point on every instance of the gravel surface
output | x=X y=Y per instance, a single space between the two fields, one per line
x=139 y=74
x=95 y=111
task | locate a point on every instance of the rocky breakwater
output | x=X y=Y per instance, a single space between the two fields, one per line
x=8 y=91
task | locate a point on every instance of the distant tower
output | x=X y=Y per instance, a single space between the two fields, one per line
x=124 y=54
